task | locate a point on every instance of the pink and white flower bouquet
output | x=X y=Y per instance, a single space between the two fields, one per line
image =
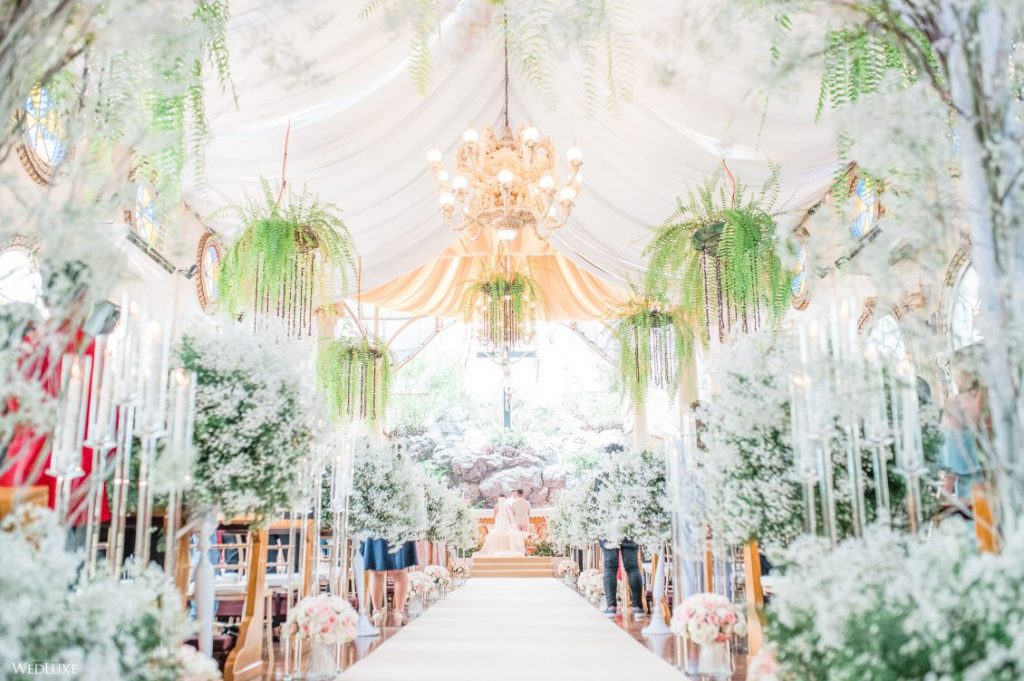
x=421 y=585
x=568 y=568
x=591 y=583
x=460 y=571
x=323 y=620
x=707 y=619
x=442 y=578
x=194 y=666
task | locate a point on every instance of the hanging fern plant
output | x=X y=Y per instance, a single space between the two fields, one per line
x=654 y=343
x=716 y=255
x=505 y=304
x=355 y=374
x=287 y=261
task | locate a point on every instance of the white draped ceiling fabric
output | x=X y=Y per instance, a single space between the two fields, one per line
x=360 y=132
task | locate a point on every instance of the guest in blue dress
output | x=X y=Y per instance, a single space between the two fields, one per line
x=961 y=423
x=379 y=560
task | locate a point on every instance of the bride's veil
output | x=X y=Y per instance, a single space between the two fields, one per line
x=503 y=519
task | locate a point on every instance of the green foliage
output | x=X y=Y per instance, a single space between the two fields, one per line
x=857 y=59
x=546 y=549
x=300 y=244
x=716 y=254
x=654 y=341
x=507 y=301
x=355 y=374
x=540 y=34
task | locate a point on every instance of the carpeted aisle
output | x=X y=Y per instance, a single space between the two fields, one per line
x=514 y=629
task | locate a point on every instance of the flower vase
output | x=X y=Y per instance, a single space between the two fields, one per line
x=715 y=661
x=568 y=581
x=415 y=607
x=323 y=664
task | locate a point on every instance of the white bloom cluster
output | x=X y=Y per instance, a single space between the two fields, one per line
x=591 y=584
x=574 y=521
x=197 y=667
x=252 y=432
x=632 y=500
x=460 y=570
x=113 y=630
x=900 y=607
x=746 y=470
x=387 y=499
x=448 y=516
x=323 y=620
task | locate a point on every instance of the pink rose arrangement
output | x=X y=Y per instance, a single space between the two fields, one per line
x=763 y=666
x=567 y=567
x=460 y=571
x=708 y=618
x=323 y=620
x=591 y=583
x=442 y=578
x=420 y=585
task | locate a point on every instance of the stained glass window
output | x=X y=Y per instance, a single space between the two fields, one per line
x=20 y=281
x=45 y=135
x=963 y=314
x=863 y=209
x=144 y=218
x=211 y=267
x=799 y=284
x=887 y=339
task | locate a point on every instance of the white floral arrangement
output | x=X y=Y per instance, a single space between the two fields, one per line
x=567 y=567
x=197 y=667
x=442 y=578
x=113 y=630
x=421 y=585
x=447 y=513
x=387 y=499
x=575 y=520
x=763 y=667
x=252 y=433
x=591 y=584
x=632 y=500
x=323 y=620
x=707 y=619
x=946 y=610
x=460 y=570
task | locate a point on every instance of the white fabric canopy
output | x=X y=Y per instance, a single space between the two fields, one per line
x=360 y=131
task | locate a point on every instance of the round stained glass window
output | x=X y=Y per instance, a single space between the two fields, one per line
x=44 y=145
x=863 y=209
x=143 y=215
x=964 y=312
x=208 y=258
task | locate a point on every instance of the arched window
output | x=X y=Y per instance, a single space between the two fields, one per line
x=887 y=339
x=964 y=310
x=20 y=281
x=44 y=146
x=143 y=215
x=800 y=284
x=863 y=208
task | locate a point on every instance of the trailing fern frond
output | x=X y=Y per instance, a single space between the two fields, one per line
x=506 y=305
x=355 y=376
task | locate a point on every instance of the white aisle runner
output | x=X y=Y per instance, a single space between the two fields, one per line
x=514 y=629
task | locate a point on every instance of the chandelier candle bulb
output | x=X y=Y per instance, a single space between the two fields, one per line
x=470 y=136
x=434 y=156
x=574 y=155
x=505 y=176
x=547 y=183
x=460 y=183
x=531 y=135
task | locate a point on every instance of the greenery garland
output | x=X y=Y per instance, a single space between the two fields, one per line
x=355 y=374
x=506 y=303
x=654 y=342
x=287 y=258
x=716 y=253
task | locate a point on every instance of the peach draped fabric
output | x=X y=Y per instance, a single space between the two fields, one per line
x=436 y=289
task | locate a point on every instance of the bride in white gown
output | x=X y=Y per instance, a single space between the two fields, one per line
x=504 y=539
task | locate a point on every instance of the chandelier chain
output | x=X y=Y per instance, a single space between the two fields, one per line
x=504 y=23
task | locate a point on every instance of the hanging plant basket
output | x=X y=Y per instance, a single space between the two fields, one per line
x=654 y=343
x=505 y=305
x=717 y=256
x=288 y=261
x=355 y=375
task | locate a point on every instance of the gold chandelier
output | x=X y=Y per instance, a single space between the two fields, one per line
x=507 y=182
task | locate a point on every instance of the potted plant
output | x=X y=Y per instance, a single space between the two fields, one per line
x=654 y=342
x=505 y=303
x=355 y=375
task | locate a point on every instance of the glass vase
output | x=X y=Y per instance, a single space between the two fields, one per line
x=415 y=607
x=715 y=661
x=323 y=663
x=568 y=581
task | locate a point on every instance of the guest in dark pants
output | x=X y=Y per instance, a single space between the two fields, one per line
x=628 y=550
